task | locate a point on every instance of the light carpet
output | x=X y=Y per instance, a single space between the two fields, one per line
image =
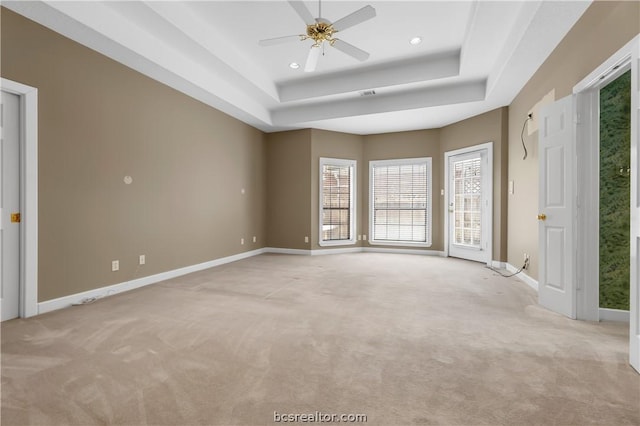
x=402 y=339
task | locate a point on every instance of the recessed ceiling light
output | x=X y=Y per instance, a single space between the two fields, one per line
x=294 y=65
x=416 y=40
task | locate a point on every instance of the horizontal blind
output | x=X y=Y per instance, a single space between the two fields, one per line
x=401 y=201
x=336 y=202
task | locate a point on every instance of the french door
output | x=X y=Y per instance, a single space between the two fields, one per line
x=469 y=204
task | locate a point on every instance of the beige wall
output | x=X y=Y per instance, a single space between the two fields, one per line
x=334 y=145
x=100 y=121
x=289 y=186
x=603 y=29
x=293 y=161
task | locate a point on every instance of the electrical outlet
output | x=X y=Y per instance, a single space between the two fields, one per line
x=306 y=239
x=142 y=259
x=525 y=257
x=364 y=237
x=254 y=239
x=115 y=265
x=241 y=241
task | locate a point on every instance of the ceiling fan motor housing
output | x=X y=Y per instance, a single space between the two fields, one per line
x=321 y=31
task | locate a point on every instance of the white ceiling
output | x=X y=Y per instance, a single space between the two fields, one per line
x=475 y=56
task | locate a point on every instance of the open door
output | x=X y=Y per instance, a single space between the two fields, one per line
x=634 y=305
x=10 y=217
x=556 y=214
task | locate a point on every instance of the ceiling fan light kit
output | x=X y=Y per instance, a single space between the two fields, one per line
x=321 y=30
x=319 y=33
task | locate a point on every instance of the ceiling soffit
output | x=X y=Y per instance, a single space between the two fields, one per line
x=479 y=58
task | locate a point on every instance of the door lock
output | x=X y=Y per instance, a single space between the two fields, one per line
x=542 y=216
x=15 y=217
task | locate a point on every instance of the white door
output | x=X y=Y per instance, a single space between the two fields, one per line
x=556 y=198
x=10 y=205
x=468 y=202
x=634 y=305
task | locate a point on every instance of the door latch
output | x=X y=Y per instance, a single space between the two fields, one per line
x=15 y=217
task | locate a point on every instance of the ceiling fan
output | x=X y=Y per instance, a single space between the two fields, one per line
x=321 y=30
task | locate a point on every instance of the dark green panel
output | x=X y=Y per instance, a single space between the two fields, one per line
x=615 y=138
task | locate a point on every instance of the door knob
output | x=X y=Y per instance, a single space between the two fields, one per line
x=542 y=216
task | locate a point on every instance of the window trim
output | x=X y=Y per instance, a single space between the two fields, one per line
x=429 y=210
x=352 y=217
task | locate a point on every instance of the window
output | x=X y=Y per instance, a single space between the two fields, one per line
x=467 y=204
x=337 y=212
x=400 y=202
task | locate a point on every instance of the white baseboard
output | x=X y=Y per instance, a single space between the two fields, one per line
x=499 y=265
x=66 y=301
x=402 y=251
x=318 y=252
x=614 y=315
x=523 y=276
x=279 y=250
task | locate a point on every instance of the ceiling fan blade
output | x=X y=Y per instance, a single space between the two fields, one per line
x=279 y=40
x=312 y=59
x=355 y=18
x=350 y=50
x=302 y=11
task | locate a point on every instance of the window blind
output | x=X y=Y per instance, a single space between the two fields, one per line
x=336 y=202
x=401 y=201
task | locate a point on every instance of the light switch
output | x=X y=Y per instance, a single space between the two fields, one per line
x=510 y=187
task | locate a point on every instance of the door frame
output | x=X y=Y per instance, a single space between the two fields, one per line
x=488 y=220
x=28 y=194
x=587 y=94
x=588 y=129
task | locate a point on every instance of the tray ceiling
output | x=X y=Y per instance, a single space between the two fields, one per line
x=475 y=56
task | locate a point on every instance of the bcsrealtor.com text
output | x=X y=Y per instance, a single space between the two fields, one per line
x=318 y=417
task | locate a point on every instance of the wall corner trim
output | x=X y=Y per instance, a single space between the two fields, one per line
x=523 y=277
x=403 y=251
x=280 y=250
x=98 y=293
x=616 y=315
x=67 y=301
x=319 y=252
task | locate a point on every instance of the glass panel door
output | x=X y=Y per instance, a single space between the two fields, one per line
x=467 y=205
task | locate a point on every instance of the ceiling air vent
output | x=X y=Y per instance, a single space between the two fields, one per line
x=368 y=92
